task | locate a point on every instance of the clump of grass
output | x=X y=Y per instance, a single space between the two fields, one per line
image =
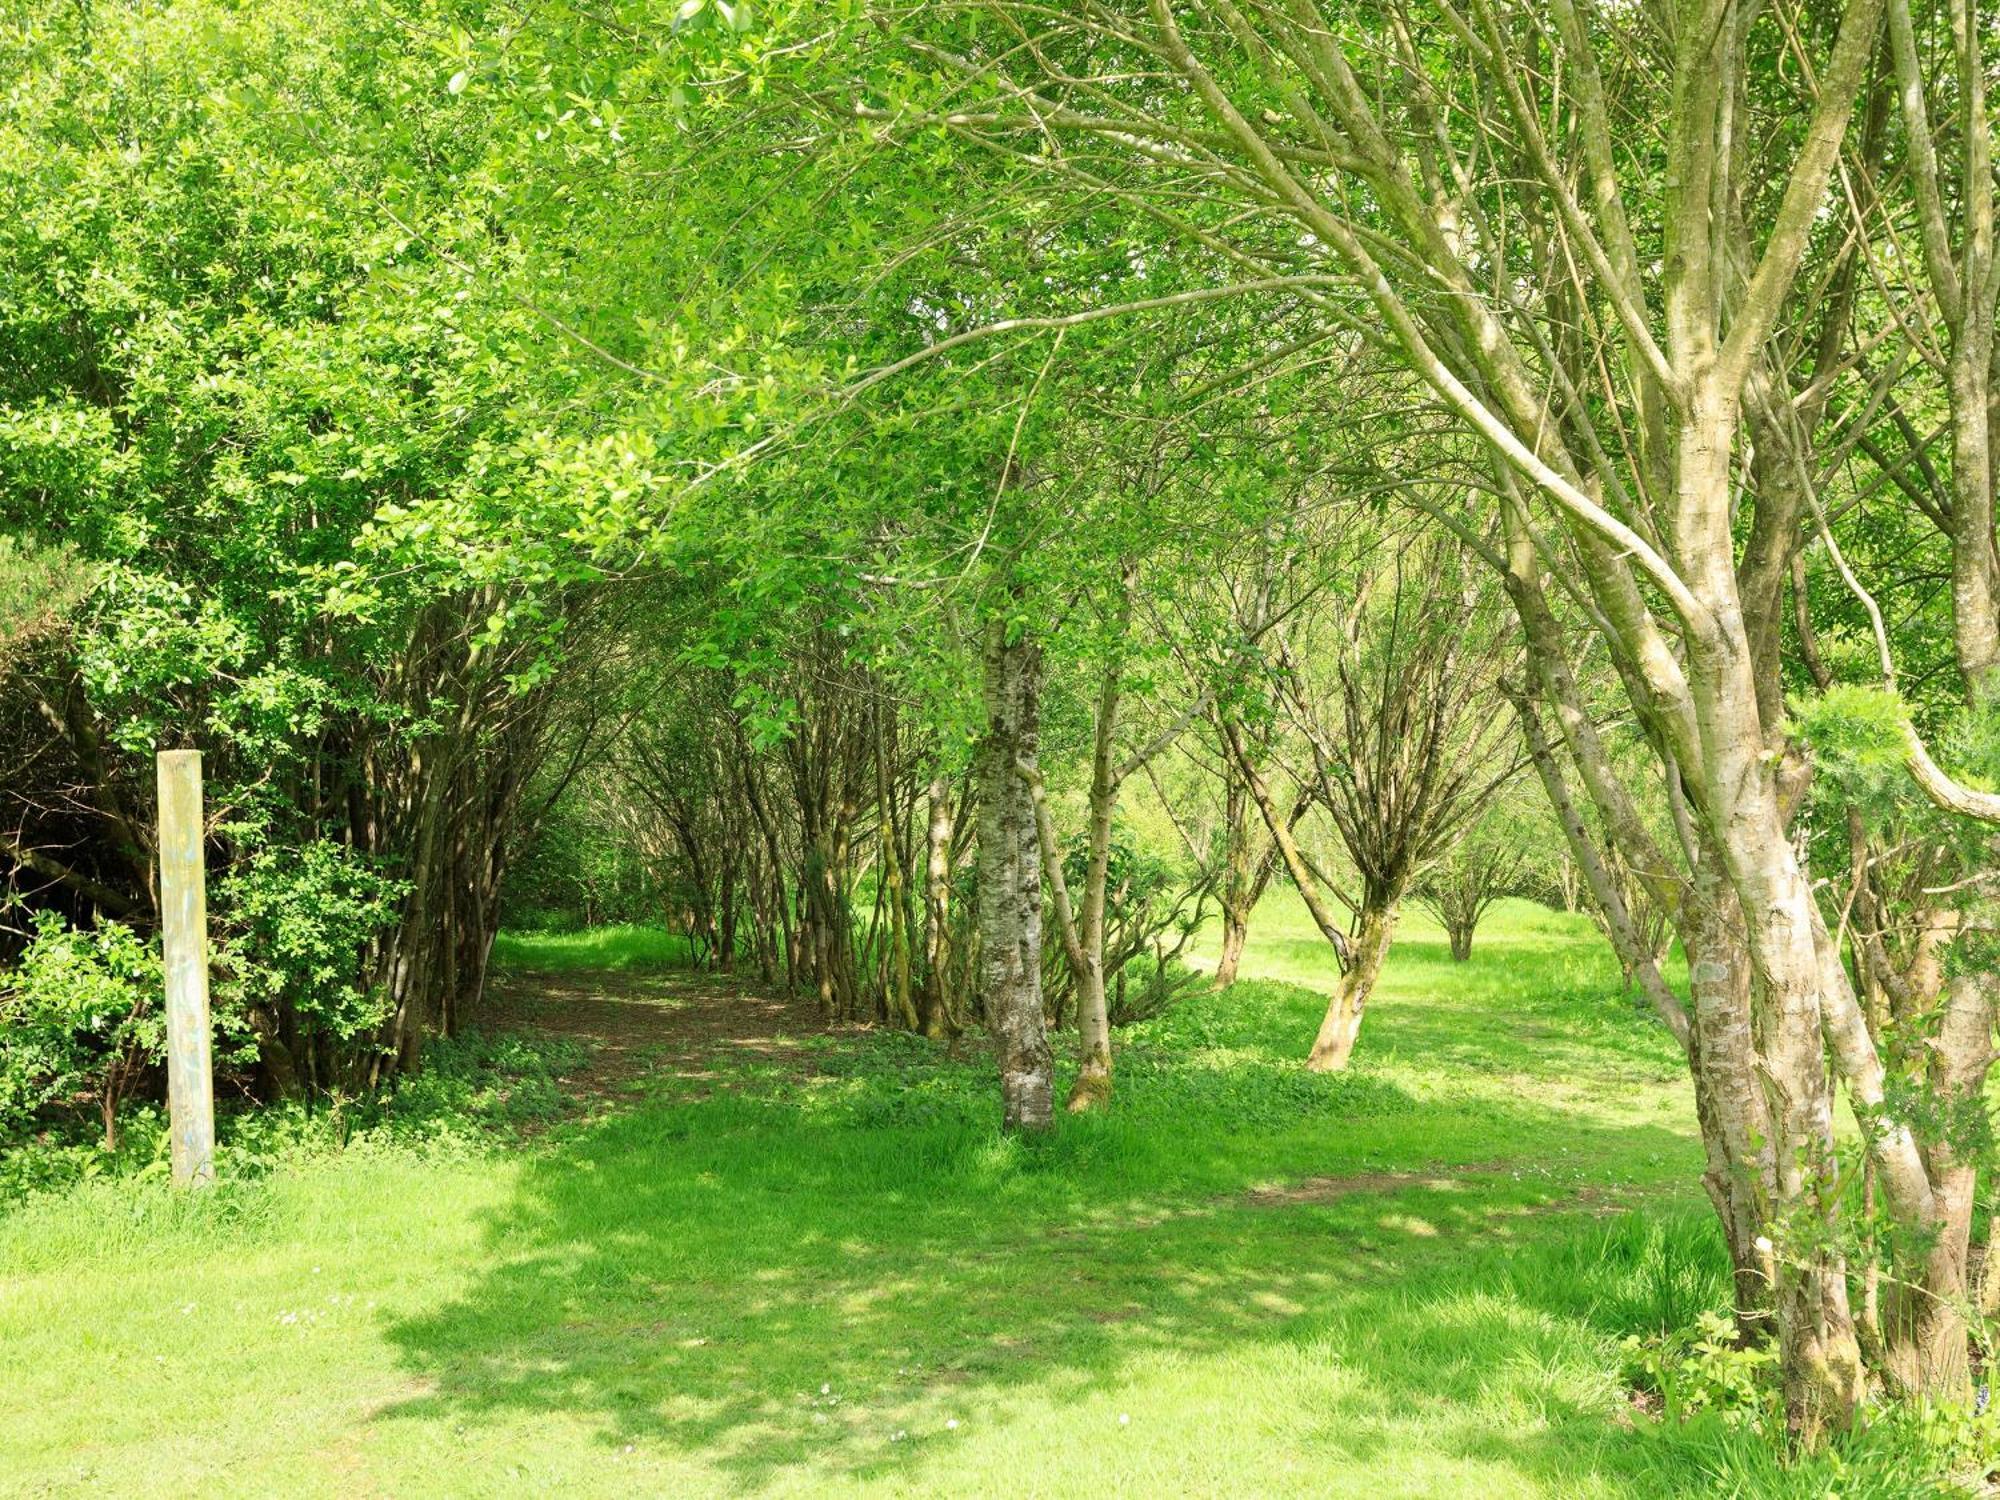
x=1638 y=1274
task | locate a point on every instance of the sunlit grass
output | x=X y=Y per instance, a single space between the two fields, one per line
x=622 y=948
x=1243 y=1280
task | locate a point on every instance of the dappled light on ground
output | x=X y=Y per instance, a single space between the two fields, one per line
x=684 y=1281
x=759 y=1257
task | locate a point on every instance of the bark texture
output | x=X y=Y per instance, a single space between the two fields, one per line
x=1010 y=881
x=1341 y=1027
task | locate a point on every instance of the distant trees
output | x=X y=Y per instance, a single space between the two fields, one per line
x=798 y=850
x=1485 y=864
x=1381 y=645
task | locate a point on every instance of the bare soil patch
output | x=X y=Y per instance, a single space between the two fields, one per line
x=1332 y=1189
x=677 y=1023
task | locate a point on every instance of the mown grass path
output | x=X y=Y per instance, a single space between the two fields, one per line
x=759 y=1258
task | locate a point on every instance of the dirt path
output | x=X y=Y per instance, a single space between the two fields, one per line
x=679 y=1024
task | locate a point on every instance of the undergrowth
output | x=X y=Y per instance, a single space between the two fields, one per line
x=472 y=1092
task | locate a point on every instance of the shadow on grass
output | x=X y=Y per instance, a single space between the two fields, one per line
x=758 y=1282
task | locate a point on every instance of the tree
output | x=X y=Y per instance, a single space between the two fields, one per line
x=1376 y=668
x=1489 y=860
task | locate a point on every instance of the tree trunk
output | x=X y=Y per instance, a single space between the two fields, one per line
x=1235 y=938
x=1729 y=1103
x=938 y=1008
x=1093 y=1016
x=1010 y=882
x=1237 y=877
x=1342 y=1027
x=281 y=1071
x=1092 y=1088
x=107 y=1110
x=895 y=877
x=1924 y=1329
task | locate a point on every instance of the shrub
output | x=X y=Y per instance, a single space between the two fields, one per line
x=1705 y=1368
x=476 y=1093
x=79 y=1016
x=292 y=966
x=1147 y=988
x=1151 y=915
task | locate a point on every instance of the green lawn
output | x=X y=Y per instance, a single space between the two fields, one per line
x=835 y=1278
x=617 y=947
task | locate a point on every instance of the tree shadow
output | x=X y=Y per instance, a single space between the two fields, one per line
x=751 y=1281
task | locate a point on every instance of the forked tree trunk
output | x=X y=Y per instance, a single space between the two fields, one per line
x=1239 y=898
x=1010 y=882
x=1341 y=1028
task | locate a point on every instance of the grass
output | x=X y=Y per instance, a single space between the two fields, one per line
x=621 y=948
x=1410 y=1280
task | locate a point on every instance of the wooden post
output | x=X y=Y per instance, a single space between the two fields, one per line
x=184 y=945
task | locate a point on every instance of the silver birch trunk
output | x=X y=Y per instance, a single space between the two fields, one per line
x=1010 y=882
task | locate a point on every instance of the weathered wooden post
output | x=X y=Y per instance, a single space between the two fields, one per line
x=184 y=946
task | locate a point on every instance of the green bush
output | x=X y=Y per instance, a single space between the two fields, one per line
x=1704 y=1368
x=79 y=1017
x=299 y=921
